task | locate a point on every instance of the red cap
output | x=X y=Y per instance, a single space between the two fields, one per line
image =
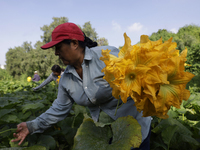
x=64 y=31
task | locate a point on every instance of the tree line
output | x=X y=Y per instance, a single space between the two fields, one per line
x=186 y=37
x=25 y=59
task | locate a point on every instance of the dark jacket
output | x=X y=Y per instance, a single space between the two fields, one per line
x=36 y=77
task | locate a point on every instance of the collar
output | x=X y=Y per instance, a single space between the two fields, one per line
x=88 y=54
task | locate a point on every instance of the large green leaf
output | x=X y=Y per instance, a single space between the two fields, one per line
x=193 y=143
x=5 y=134
x=126 y=133
x=91 y=137
x=158 y=144
x=168 y=133
x=10 y=119
x=191 y=98
x=5 y=111
x=182 y=110
x=9 y=102
x=24 y=116
x=104 y=119
x=15 y=144
x=79 y=109
x=172 y=114
x=47 y=141
x=32 y=106
x=196 y=100
x=3 y=102
x=171 y=122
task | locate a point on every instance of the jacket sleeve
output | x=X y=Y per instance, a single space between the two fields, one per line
x=47 y=81
x=34 y=78
x=57 y=112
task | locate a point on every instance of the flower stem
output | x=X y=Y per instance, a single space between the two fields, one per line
x=13 y=129
x=117 y=107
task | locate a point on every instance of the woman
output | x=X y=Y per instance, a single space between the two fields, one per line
x=36 y=77
x=82 y=82
x=56 y=71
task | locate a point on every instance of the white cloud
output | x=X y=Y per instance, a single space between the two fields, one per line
x=116 y=26
x=174 y=30
x=135 y=27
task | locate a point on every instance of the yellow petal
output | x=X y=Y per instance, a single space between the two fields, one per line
x=144 y=39
x=127 y=46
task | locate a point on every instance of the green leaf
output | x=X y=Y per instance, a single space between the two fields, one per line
x=10 y=119
x=191 y=98
x=171 y=122
x=66 y=124
x=79 y=109
x=32 y=106
x=104 y=119
x=35 y=147
x=182 y=110
x=5 y=134
x=3 y=102
x=23 y=116
x=77 y=120
x=168 y=133
x=15 y=144
x=91 y=137
x=158 y=143
x=172 y=114
x=196 y=100
x=126 y=134
x=5 y=111
x=190 y=140
x=47 y=141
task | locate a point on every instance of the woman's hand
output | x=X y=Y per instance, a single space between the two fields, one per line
x=22 y=132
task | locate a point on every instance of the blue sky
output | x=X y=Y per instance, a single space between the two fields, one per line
x=20 y=20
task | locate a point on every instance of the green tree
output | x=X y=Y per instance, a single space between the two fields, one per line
x=14 y=58
x=161 y=33
x=102 y=42
x=25 y=59
x=187 y=36
x=192 y=30
x=48 y=29
x=193 y=59
x=89 y=31
x=92 y=34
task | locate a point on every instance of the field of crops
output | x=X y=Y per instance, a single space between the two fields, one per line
x=19 y=103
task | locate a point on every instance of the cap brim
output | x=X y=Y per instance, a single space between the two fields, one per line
x=50 y=44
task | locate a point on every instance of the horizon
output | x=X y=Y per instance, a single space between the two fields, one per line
x=22 y=19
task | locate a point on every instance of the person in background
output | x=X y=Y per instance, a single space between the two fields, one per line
x=36 y=76
x=82 y=83
x=56 y=71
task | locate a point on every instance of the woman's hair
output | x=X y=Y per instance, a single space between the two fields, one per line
x=56 y=68
x=87 y=42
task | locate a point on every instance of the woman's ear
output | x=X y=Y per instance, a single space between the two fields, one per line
x=74 y=43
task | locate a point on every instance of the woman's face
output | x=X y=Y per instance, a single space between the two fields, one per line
x=67 y=53
x=56 y=73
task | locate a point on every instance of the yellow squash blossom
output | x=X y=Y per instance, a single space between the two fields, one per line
x=57 y=81
x=151 y=72
x=29 y=79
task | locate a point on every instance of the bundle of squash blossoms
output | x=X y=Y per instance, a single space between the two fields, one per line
x=152 y=73
x=57 y=81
